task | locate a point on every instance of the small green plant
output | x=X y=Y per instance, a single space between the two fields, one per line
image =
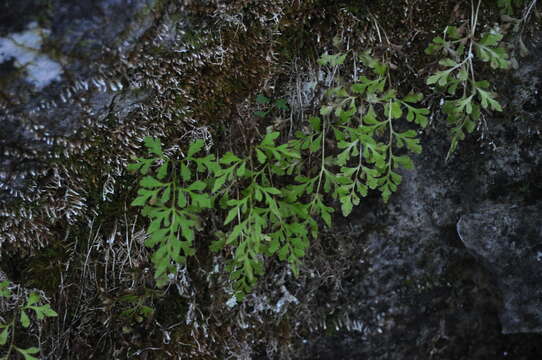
x=263 y=100
x=265 y=221
x=274 y=196
x=466 y=96
x=21 y=316
x=360 y=117
x=507 y=6
x=134 y=305
x=172 y=196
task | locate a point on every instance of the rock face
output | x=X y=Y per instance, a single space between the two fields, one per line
x=450 y=269
x=508 y=240
x=453 y=265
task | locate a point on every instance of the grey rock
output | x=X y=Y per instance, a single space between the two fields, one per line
x=508 y=240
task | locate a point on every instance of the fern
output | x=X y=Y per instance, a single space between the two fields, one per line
x=360 y=118
x=262 y=222
x=279 y=104
x=466 y=97
x=172 y=196
x=22 y=317
x=273 y=199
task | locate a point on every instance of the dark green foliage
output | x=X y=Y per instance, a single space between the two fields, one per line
x=279 y=104
x=507 y=7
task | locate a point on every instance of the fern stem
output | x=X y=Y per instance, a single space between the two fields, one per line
x=390 y=143
x=12 y=342
x=322 y=166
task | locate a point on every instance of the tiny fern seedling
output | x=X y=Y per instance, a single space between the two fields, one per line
x=507 y=7
x=279 y=104
x=21 y=316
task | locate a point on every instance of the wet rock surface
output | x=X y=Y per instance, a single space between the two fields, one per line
x=508 y=240
x=424 y=277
